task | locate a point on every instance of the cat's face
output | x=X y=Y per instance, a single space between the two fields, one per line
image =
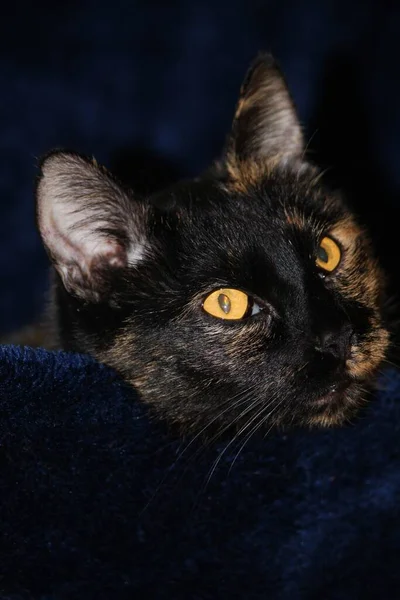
x=249 y=297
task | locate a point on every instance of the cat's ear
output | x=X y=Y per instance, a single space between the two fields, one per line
x=265 y=126
x=89 y=224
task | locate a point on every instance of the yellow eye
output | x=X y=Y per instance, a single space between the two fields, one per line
x=227 y=304
x=328 y=255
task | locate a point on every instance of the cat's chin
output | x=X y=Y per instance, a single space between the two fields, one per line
x=336 y=406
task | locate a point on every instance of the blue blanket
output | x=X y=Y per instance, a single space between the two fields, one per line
x=99 y=500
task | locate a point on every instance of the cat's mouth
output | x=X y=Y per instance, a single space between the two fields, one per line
x=336 y=404
x=334 y=394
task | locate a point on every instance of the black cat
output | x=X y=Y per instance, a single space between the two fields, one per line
x=245 y=298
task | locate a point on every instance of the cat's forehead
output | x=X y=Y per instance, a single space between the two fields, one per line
x=272 y=204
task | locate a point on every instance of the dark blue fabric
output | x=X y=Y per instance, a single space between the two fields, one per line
x=99 y=501
x=92 y=505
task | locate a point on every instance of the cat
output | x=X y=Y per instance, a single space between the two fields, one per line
x=248 y=297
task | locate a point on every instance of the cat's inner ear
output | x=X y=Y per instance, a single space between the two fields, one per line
x=89 y=225
x=265 y=127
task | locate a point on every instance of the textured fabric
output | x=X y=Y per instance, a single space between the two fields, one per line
x=100 y=501
x=96 y=501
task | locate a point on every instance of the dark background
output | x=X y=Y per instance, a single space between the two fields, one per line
x=149 y=87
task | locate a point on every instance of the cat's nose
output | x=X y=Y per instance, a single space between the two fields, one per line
x=336 y=342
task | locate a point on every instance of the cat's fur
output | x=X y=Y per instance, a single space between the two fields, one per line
x=131 y=274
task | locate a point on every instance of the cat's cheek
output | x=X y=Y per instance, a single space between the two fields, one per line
x=366 y=358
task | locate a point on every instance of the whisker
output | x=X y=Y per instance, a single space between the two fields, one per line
x=238 y=434
x=233 y=402
x=275 y=408
x=308 y=144
x=239 y=401
x=254 y=430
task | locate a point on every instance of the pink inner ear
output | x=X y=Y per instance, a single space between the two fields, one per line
x=85 y=274
x=110 y=253
x=81 y=246
x=77 y=205
x=81 y=254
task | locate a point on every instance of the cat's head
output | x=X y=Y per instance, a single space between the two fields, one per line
x=247 y=297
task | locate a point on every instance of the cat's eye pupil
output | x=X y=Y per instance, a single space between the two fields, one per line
x=322 y=255
x=224 y=303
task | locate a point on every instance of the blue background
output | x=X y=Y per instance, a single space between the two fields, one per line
x=149 y=88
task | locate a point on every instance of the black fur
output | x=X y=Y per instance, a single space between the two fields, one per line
x=254 y=223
